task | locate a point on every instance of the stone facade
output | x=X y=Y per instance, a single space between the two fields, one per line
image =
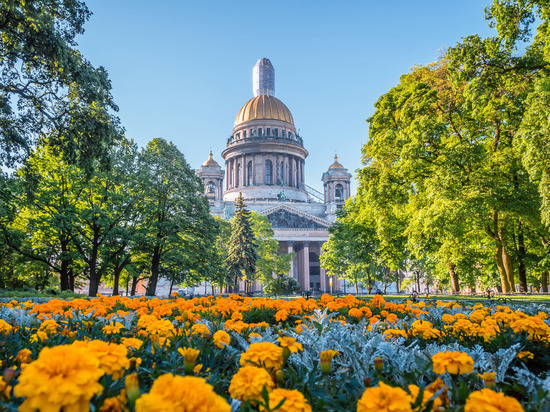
x=265 y=160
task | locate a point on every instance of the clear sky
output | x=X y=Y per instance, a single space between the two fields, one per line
x=181 y=70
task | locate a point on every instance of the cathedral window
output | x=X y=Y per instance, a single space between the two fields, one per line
x=283 y=133
x=268 y=132
x=252 y=132
x=339 y=192
x=268 y=171
x=238 y=136
x=237 y=178
x=244 y=134
x=276 y=132
x=290 y=135
x=249 y=174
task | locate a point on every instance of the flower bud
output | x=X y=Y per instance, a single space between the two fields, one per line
x=131 y=384
x=9 y=375
x=286 y=352
x=280 y=375
x=367 y=381
x=378 y=364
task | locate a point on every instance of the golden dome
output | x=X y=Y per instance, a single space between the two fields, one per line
x=336 y=164
x=264 y=107
x=210 y=161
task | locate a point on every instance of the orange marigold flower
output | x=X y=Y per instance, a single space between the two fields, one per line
x=221 y=338
x=525 y=354
x=132 y=343
x=5 y=327
x=264 y=354
x=110 y=329
x=112 y=357
x=63 y=377
x=456 y=363
x=488 y=400
x=24 y=356
x=384 y=398
x=326 y=360
x=281 y=315
x=181 y=393
x=488 y=379
x=199 y=329
x=294 y=401
x=289 y=343
x=247 y=384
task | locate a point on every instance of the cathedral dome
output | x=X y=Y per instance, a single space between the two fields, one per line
x=210 y=161
x=336 y=164
x=264 y=107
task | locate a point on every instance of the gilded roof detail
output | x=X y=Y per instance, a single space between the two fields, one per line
x=264 y=107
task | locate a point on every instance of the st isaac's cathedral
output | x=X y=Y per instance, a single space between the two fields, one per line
x=265 y=160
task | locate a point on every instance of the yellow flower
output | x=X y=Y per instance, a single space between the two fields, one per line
x=183 y=394
x=221 y=338
x=254 y=335
x=131 y=385
x=112 y=357
x=456 y=363
x=488 y=400
x=438 y=403
x=5 y=389
x=49 y=326
x=112 y=404
x=488 y=379
x=248 y=383
x=289 y=345
x=525 y=354
x=190 y=358
x=39 y=336
x=326 y=359
x=132 y=343
x=24 y=356
x=384 y=398
x=110 y=329
x=264 y=354
x=5 y=327
x=294 y=401
x=63 y=377
x=199 y=329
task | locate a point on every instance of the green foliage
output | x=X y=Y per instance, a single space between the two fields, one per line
x=243 y=249
x=282 y=285
x=48 y=88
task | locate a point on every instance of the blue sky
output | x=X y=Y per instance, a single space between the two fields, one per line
x=181 y=70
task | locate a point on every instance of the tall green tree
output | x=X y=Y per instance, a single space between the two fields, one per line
x=47 y=87
x=177 y=230
x=243 y=250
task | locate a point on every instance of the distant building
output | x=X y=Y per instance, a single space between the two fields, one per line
x=265 y=160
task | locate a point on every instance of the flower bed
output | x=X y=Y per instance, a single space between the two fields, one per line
x=222 y=354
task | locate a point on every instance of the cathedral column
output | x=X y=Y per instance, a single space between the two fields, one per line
x=290 y=245
x=235 y=172
x=323 y=271
x=305 y=286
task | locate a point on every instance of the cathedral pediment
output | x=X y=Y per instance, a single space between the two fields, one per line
x=286 y=217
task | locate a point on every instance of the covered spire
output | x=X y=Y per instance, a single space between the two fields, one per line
x=263 y=78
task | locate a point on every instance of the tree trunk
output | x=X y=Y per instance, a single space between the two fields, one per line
x=454 y=277
x=500 y=265
x=544 y=281
x=368 y=282
x=356 y=288
x=509 y=267
x=522 y=253
x=397 y=280
x=153 y=279
x=134 y=285
x=65 y=266
x=116 y=277
x=171 y=286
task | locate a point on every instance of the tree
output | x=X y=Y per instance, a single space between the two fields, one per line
x=243 y=250
x=270 y=260
x=176 y=230
x=47 y=88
